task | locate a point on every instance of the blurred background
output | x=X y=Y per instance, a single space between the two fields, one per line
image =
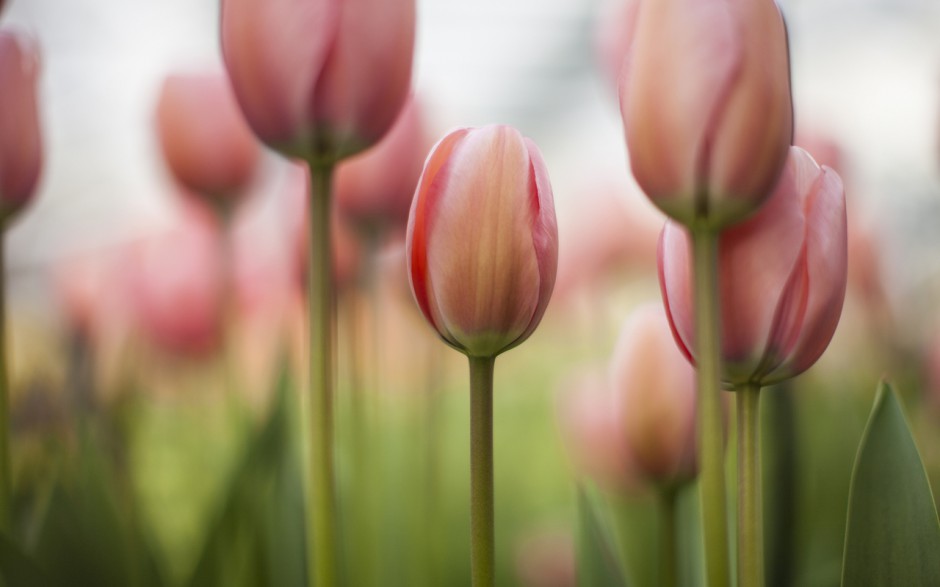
x=185 y=415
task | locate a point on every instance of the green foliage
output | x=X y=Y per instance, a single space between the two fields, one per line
x=17 y=569
x=893 y=534
x=598 y=564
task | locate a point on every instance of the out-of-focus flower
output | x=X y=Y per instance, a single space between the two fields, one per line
x=207 y=144
x=347 y=255
x=319 y=79
x=374 y=189
x=20 y=140
x=175 y=283
x=609 y=229
x=654 y=386
x=81 y=286
x=706 y=106
x=592 y=426
x=782 y=276
x=482 y=242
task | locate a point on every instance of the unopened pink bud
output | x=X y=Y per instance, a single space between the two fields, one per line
x=319 y=79
x=482 y=242
x=706 y=106
x=374 y=189
x=20 y=140
x=654 y=387
x=782 y=277
x=207 y=145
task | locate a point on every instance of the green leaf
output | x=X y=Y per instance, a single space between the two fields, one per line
x=893 y=535
x=17 y=569
x=257 y=537
x=598 y=564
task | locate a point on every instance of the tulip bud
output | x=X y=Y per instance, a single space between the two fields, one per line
x=655 y=389
x=207 y=144
x=20 y=141
x=482 y=243
x=319 y=79
x=374 y=189
x=174 y=281
x=706 y=105
x=782 y=277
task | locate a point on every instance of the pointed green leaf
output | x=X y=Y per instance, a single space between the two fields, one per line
x=892 y=535
x=598 y=565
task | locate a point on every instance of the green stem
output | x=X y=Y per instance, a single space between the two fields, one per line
x=482 y=551
x=750 y=514
x=667 y=537
x=6 y=484
x=320 y=487
x=711 y=434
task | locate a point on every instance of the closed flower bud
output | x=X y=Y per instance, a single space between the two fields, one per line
x=782 y=277
x=374 y=189
x=319 y=79
x=706 y=105
x=482 y=242
x=654 y=387
x=206 y=143
x=20 y=141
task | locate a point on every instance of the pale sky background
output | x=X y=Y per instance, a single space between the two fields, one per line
x=865 y=71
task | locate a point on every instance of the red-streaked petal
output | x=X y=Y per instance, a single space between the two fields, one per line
x=422 y=207
x=675 y=275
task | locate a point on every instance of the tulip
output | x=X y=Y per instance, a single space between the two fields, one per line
x=319 y=79
x=782 y=275
x=655 y=388
x=482 y=250
x=706 y=104
x=374 y=189
x=482 y=241
x=20 y=140
x=174 y=282
x=207 y=145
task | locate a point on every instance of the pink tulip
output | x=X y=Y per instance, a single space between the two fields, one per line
x=174 y=281
x=482 y=243
x=374 y=189
x=705 y=99
x=319 y=79
x=20 y=140
x=782 y=277
x=615 y=32
x=655 y=388
x=207 y=144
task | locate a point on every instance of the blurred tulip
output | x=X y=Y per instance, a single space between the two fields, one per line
x=482 y=243
x=374 y=189
x=81 y=288
x=174 y=280
x=346 y=249
x=20 y=140
x=592 y=426
x=706 y=105
x=547 y=559
x=607 y=229
x=782 y=276
x=655 y=387
x=207 y=144
x=319 y=79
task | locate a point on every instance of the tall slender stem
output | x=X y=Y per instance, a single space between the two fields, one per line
x=320 y=486
x=750 y=513
x=6 y=484
x=482 y=550
x=668 y=560
x=711 y=435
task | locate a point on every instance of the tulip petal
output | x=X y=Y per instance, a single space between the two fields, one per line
x=481 y=257
x=274 y=52
x=20 y=140
x=826 y=268
x=675 y=283
x=694 y=55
